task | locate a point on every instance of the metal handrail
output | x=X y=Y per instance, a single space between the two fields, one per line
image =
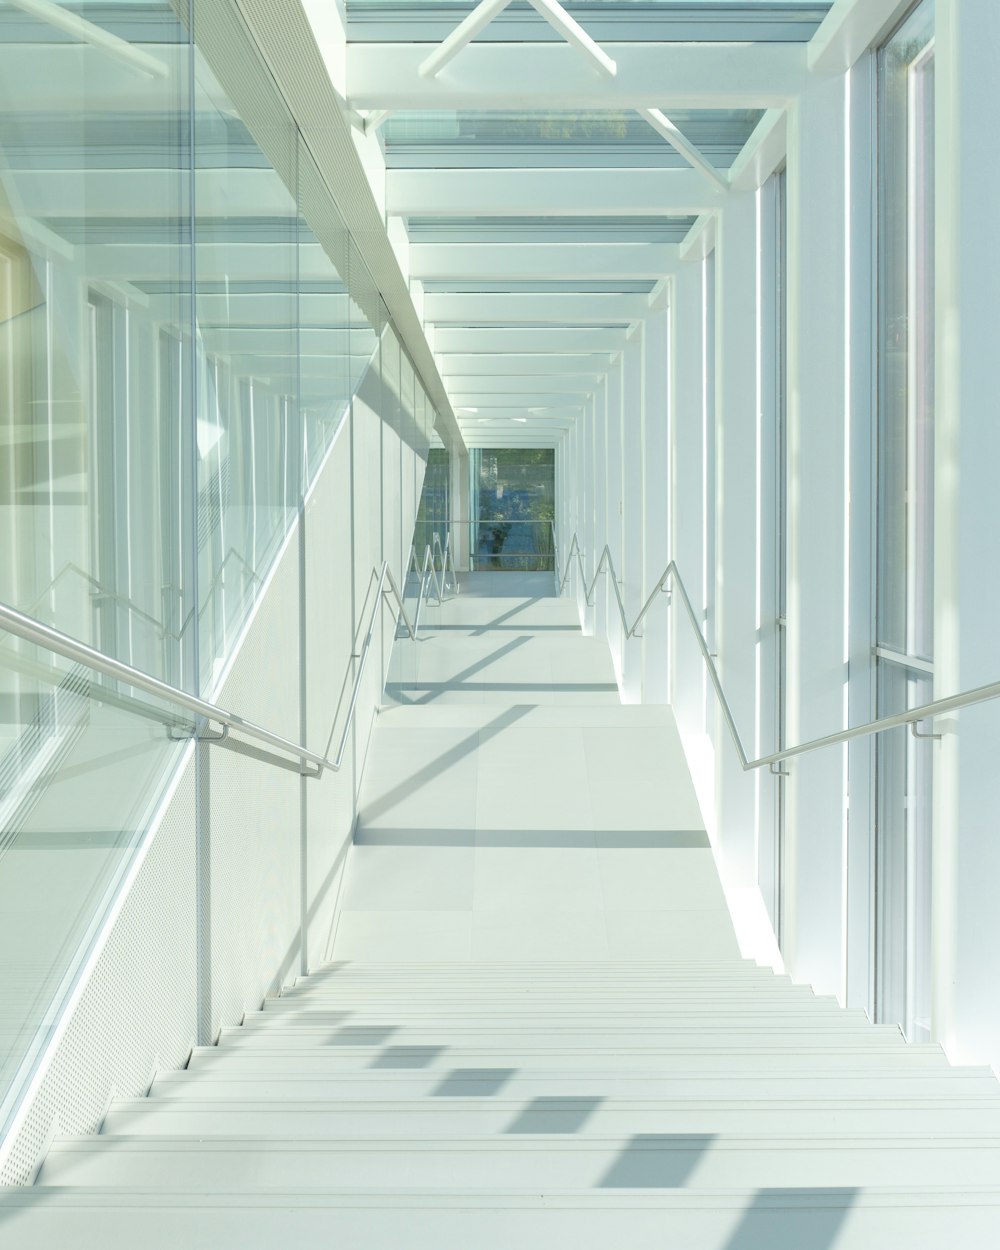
x=99 y=590
x=54 y=640
x=413 y=566
x=446 y=559
x=671 y=579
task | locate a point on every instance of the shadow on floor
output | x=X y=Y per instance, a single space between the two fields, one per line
x=794 y=1219
x=407 y=1056
x=473 y=1082
x=432 y=771
x=657 y=1161
x=554 y=1115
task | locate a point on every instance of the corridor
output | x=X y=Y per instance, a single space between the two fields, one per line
x=513 y=808
x=535 y=1028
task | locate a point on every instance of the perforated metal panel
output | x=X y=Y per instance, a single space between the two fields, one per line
x=138 y=1010
x=329 y=643
x=253 y=816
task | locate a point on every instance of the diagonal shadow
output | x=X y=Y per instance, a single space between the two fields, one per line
x=505 y=616
x=362 y=1034
x=433 y=689
x=473 y=1082
x=657 y=1161
x=436 y=688
x=793 y=1219
x=407 y=1056
x=433 y=770
x=554 y=1115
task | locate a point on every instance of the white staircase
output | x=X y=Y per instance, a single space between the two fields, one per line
x=536 y=1030
x=705 y=1105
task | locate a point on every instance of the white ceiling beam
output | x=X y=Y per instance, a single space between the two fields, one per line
x=228 y=260
x=542 y=341
x=533 y=422
x=487 y=404
x=463 y=34
x=458 y=366
x=513 y=383
x=575 y=35
x=284 y=340
x=542 y=77
x=667 y=130
x=148 y=194
x=520 y=262
x=849 y=29
x=509 y=309
x=374 y=121
x=80 y=29
x=544 y=438
x=483 y=15
x=765 y=151
x=701 y=238
x=51 y=80
x=549 y=192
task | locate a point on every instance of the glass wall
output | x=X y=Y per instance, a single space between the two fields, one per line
x=434 y=512
x=183 y=324
x=905 y=555
x=513 y=509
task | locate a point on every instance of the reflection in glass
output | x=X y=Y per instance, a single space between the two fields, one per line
x=182 y=330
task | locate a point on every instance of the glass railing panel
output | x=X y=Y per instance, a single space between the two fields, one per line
x=83 y=763
x=95 y=331
x=247 y=245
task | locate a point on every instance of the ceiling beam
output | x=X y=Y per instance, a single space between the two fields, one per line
x=765 y=151
x=457 y=366
x=540 y=341
x=550 y=76
x=550 y=193
x=461 y=262
x=564 y=412
x=513 y=383
x=561 y=309
x=488 y=404
x=849 y=29
x=666 y=129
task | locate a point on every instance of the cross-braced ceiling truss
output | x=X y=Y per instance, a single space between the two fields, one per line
x=548 y=182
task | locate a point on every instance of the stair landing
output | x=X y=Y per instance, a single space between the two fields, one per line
x=512 y=808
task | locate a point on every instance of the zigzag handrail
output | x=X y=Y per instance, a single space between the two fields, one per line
x=671 y=580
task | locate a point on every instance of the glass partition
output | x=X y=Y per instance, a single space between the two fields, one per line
x=183 y=327
x=905 y=555
x=96 y=328
x=513 y=509
x=83 y=763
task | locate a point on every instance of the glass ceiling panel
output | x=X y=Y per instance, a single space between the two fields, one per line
x=548 y=229
x=610 y=21
x=597 y=139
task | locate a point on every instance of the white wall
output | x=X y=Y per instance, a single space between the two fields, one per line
x=828 y=869
x=966 y=853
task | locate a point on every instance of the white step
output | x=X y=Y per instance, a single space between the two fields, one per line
x=594 y=1116
x=547 y=1035
x=751 y=1020
x=786 y=1059
x=966 y=1084
x=929 y=1218
x=247 y=1164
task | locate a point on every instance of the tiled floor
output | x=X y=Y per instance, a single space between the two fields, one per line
x=512 y=807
